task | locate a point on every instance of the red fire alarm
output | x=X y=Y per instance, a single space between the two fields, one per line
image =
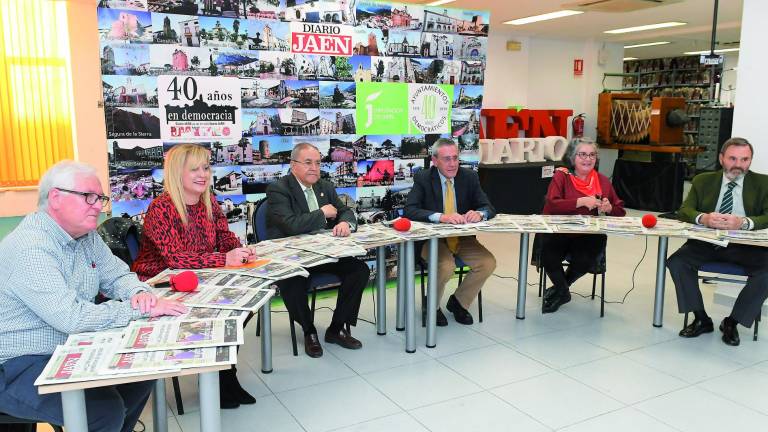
x=578 y=67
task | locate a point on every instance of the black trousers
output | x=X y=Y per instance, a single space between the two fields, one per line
x=581 y=250
x=354 y=276
x=684 y=267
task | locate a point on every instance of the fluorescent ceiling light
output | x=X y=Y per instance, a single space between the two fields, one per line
x=646 y=44
x=629 y=58
x=440 y=2
x=543 y=17
x=717 y=51
x=645 y=27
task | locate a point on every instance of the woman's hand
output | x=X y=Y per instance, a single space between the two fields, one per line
x=240 y=256
x=589 y=202
x=605 y=206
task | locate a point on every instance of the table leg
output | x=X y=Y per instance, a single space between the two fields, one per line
x=661 y=275
x=73 y=407
x=522 y=276
x=432 y=294
x=401 y=274
x=410 y=299
x=159 y=407
x=381 y=290
x=266 y=337
x=210 y=414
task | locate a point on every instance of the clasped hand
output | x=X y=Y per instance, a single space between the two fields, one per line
x=471 y=216
x=590 y=202
x=725 y=221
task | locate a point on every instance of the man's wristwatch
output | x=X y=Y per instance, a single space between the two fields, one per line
x=744 y=223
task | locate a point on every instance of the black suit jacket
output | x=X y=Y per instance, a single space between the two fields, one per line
x=426 y=196
x=289 y=213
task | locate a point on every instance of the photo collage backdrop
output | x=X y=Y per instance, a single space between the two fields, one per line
x=286 y=98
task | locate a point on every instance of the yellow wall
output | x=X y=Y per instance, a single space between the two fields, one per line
x=90 y=134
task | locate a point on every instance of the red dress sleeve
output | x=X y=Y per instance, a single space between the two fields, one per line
x=558 y=200
x=168 y=243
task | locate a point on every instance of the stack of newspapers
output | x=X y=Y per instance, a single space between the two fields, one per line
x=207 y=335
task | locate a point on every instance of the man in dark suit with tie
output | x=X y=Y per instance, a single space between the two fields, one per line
x=299 y=203
x=447 y=193
x=733 y=198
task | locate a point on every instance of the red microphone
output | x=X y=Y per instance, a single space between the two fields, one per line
x=402 y=224
x=649 y=221
x=185 y=281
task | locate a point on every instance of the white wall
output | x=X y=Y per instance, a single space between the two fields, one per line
x=752 y=91
x=540 y=76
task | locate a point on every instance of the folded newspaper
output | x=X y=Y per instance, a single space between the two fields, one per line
x=154 y=361
x=76 y=363
x=165 y=335
x=209 y=296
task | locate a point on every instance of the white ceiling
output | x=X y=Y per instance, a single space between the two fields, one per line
x=692 y=37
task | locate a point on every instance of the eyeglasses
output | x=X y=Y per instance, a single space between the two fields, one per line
x=308 y=163
x=447 y=159
x=90 y=197
x=585 y=155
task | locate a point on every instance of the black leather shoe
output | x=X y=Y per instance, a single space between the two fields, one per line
x=343 y=339
x=550 y=293
x=697 y=327
x=730 y=334
x=312 y=345
x=461 y=315
x=555 y=300
x=228 y=400
x=442 y=321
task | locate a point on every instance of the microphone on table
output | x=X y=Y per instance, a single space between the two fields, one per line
x=185 y=281
x=649 y=220
x=402 y=224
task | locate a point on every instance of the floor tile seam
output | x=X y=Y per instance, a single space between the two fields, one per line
x=630 y=404
x=685 y=380
x=698 y=386
x=518 y=409
x=384 y=394
x=295 y=419
x=402 y=411
x=426 y=350
x=313 y=384
x=480 y=385
x=388 y=368
x=472 y=393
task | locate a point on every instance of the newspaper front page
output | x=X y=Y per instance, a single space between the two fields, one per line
x=165 y=335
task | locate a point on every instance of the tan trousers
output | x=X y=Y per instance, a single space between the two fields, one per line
x=480 y=261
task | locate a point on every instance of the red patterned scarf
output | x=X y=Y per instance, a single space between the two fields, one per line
x=589 y=187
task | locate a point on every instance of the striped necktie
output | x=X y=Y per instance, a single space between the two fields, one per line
x=726 y=206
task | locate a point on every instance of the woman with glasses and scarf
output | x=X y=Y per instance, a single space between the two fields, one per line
x=185 y=228
x=576 y=189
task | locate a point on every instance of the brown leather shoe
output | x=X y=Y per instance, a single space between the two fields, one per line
x=312 y=345
x=343 y=339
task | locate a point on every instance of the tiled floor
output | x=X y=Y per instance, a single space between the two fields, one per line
x=569 y=371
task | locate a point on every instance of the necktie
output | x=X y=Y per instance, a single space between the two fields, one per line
x=727 y=205
x=311 y=199
x=450 y=207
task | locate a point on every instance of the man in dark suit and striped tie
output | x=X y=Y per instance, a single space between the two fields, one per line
x=733 y=198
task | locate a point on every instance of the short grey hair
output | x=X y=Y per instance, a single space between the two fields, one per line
x=738 y=142
x=442 y=142
x=302 y=146
x=570 y=152
x=61 y=175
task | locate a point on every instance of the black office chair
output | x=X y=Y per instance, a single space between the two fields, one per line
x=23 y=425
x=122 y=236
x=598 y=268
x=316 y=280
x=728 y=269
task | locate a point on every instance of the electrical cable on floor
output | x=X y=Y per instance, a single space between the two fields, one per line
x=514 y=278
x=143 y=426
x=645 y=250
